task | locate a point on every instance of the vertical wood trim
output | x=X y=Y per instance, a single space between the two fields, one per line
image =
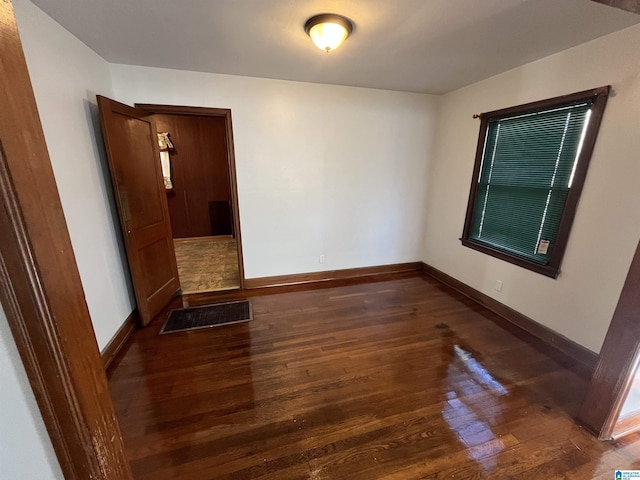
x=231 y=159
x=234 y=194
x=40 y=285
x=614 y=372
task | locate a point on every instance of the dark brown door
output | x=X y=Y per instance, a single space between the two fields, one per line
x=134 y=160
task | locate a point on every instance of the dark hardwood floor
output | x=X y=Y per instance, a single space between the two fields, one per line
x=399 y=379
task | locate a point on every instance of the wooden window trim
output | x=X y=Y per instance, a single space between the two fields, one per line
x=599 y=98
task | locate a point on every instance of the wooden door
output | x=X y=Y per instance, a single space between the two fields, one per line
x=134 y=160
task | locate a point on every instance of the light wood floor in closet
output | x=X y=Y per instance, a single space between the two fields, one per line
x=207 y=264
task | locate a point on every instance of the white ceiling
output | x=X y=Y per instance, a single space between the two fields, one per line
x=428 y=46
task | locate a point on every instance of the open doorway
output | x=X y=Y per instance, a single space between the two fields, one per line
x=199 y=171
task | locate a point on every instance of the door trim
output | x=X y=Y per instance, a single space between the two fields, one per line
x=616 y=366
x=231 y=160
x=40 y=288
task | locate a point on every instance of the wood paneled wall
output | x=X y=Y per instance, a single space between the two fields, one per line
x=200 y=171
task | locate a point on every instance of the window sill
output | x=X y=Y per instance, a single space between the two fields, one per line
x=547 y=270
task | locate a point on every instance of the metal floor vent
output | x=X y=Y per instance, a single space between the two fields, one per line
x=208 y=316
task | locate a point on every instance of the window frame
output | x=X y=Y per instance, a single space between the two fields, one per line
x=598 y=97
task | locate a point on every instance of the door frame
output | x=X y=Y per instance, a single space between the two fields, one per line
x=615 y=371
x=231 y=159
x=40 y=287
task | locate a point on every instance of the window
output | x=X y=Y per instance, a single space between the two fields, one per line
x=530 y=166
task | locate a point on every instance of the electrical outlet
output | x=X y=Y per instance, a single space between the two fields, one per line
x=498 y=286
x=321 y=258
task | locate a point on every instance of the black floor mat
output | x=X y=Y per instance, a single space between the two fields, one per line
x=208 y=316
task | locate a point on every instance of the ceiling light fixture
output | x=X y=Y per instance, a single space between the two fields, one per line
x=328 y=30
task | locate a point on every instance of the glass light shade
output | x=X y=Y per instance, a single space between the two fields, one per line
x=328 y=30
x=328 y=36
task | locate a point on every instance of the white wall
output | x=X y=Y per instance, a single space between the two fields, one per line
x=322 y=169
x=66 y=77
x=25 y=449
x=631 y=404
x=580 y=303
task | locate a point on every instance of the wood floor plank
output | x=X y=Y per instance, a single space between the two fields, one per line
x=399 y=379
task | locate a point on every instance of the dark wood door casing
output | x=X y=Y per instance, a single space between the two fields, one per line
x=134 y=162
x=41 y=291
x=231 y=160
x=613 y=375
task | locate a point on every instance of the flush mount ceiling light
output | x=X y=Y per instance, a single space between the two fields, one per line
x=328 y=30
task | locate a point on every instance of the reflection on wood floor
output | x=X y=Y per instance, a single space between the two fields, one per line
x=207 y=264
x=403 y=379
